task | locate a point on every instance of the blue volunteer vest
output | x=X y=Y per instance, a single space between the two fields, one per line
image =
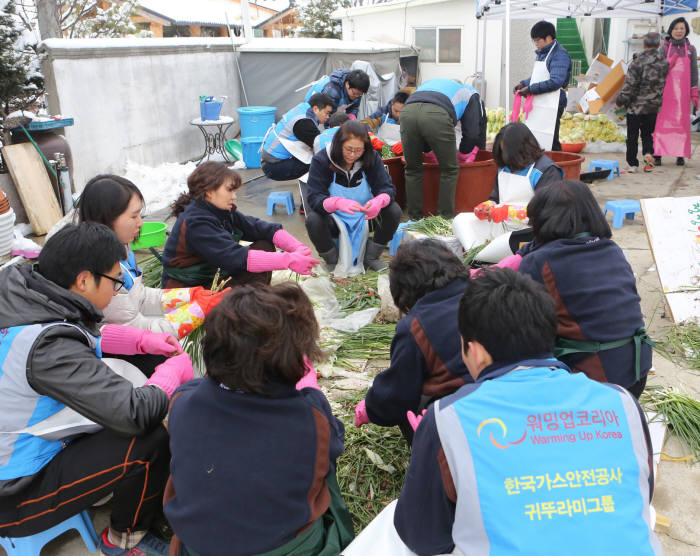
x=23 y=453
x=284 y=131
x=130 y=270
x=547 y=462
x=324 y=139
x=458 y=93
x=317 y=87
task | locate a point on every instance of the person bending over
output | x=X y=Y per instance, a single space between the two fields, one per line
x=345 y=88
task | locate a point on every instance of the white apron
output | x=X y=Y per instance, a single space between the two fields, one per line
x=543 y=116
x=298 y=149
x=513 y=189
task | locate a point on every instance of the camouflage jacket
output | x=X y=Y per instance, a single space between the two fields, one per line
x=643 y=90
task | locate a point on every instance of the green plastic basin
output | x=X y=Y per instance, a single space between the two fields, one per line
x=152 y=235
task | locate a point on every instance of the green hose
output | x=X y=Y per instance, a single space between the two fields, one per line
x=55 y=175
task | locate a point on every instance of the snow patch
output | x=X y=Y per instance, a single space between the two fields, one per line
x=161 y=185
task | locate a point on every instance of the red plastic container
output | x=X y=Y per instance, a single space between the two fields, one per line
x=474 y=184
x=395 y=166
x=569 y=162
x=572 y=147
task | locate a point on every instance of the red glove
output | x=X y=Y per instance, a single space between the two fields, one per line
x=361 y=417
x=694 y=96
x=415 y=419
x=375 y=205
x=287 y=242
x=482 y=210
x=430 y=158
x=127 y=340
x=499 y=214
x=397 y=148
x=341 y=203
x=377 y=143
x=207 y=299
x=171 y=374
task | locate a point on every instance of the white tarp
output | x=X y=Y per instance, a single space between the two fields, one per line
x=547 y=9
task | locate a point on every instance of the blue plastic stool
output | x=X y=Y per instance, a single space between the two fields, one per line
x=32 y=545
x=398 y=236
x=603 y=164
x=620 y=208
x=280 y=197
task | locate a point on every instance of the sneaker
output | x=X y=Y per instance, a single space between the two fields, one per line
x=149 y=545
x=649 y=159
x=680 y=161
x=631 y=169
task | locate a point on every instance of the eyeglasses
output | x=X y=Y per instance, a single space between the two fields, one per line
x=116 y=283
x=353 y=150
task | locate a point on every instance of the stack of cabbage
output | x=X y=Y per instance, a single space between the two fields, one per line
x=575 y=128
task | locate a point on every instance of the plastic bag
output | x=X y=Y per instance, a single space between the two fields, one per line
x=354 y=321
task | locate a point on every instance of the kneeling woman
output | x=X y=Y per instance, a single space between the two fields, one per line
x=348 y=180
x=261 y=479
x=600 y=330
x=207 y=231
x=523 y=168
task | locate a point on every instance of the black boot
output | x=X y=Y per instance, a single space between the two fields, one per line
x=373 y=252
x=657 y=161
x=330 y=258
x=680 y=161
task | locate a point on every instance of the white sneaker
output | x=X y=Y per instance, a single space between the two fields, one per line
x=632 y=169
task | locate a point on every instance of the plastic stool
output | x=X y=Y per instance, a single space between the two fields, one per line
x=603 y=164
x=626 y=207
x=398 y=236
x=32 y=545
x=280 y=197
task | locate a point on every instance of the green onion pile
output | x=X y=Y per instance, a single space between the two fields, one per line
x=357 y=292
x=386 y=152
x=152 y=270
x=682 y=345
x=371 y=469
x=371 y=342
x=470 y=254
x=679 y=411
x=432 y=226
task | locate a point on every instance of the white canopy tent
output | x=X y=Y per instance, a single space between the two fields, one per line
x=547 y=9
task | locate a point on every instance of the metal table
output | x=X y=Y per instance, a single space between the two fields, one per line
x=214 y=132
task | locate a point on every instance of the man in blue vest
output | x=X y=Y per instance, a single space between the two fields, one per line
x=530 y=459
x=428 y=122
x=72 y=431
x=345 y=87
x=289 y=144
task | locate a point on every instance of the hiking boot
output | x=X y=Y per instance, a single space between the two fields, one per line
x=373 y=252
x=330 y=258
x=149 y=545
x=680 y=161
x=657 y=161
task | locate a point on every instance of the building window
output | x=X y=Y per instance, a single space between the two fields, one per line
x=439 y=45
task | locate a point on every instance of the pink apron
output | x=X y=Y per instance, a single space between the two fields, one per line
x=672 y=132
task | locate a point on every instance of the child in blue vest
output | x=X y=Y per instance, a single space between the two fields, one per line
x=601 y=327
x=530 y=459
x=253 y=457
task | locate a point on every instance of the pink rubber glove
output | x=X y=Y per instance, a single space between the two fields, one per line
x=127 y=340
x=361 y=417
x=264 y=261
x=309 y=380
x=694 y=96
x=287 y=242
x=469 y=157
x=430 y=158
x=352 y=116
x=414 y=419
x=171 y=374
x=375 y=205
x=511 y=261
x=341 y=203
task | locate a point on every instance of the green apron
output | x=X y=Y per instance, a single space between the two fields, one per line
x=567 y=346
x=327 y=536
x=200 y=273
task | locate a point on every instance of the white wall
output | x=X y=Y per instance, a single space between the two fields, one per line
x=134 y=103
x=396 y=25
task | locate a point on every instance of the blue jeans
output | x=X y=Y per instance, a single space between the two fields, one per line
x=284 y=170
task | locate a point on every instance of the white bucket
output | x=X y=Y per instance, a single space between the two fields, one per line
x=7 y=222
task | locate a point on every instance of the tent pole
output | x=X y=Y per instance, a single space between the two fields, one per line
x=476 y=49
x=483 y=53
x=507 y=76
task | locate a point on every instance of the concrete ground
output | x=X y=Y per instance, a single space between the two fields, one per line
x=678 y=483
